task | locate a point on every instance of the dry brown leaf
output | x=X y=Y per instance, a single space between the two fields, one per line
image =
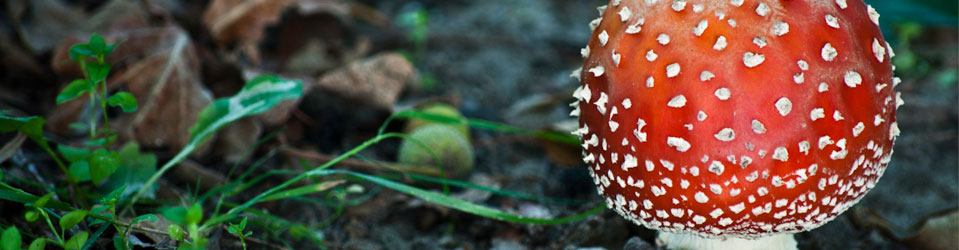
x=11 y=147
x=940 y=232
x=117 y=15
x=232 y=20
x=311 y=58
x=236 y=139
x=167 y=85
x=42 y=24
x=335 y=7
x=378 y=80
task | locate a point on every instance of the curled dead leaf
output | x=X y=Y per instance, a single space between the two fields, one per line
x=236 y=139
x=167 y=82
x=938 y=232
x=42 y=24
x=231 y=20
x=378 y=80
x=11 y=147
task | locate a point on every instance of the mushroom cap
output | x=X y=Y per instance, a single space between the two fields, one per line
x=736 y=118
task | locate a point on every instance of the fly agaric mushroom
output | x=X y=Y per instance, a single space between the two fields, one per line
x=735 y=121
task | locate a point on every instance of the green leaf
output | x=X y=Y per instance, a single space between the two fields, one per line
x=76 y=242
x=26 y=198
x=41 y=202
x=98 y=71
x=10 y=240
x=1 y=175
x=73 y=154
x=174 y=214
x=113 y=196
x=38 y=244
x=72 y=219
x=257 y=96
x=175 y=231
x=80 y=170
x=145 y=217
x=118 y=243
x=75 y=89
x=80 y=51
x=102 y=164
x=135 y=168
x=31 y=126
x=31 y=215
x=96 y=143
x=238 y=229
x=194 y=215
x=97 y=44
x=98 y=210
x=124 y=100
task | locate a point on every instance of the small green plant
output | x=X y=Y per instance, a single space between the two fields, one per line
x=191 y=218
x=237 y=230
x=67 y=222
x=95 y=161
x=416 y=23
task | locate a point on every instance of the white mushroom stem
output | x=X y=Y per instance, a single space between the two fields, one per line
x=685 y=241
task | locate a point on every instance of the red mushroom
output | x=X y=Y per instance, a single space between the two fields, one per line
x=735 y=120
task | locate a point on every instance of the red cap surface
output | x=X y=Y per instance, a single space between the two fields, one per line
x=736 y=117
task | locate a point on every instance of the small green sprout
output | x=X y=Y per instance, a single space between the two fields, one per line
x=237 y=230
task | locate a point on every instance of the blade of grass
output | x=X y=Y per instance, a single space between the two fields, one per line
x=20 y=196
x=94 y=237
x=462 y=184
x=484 y=124
x=455 y=203
x=500 y=192
x=304 y=190
x=346 y=203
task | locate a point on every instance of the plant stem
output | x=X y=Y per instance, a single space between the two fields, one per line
x=70 y=179
x=92 y=94
x=50 y=224
x=103 y=99
x=115 y=222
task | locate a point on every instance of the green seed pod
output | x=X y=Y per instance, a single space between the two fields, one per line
x=453 y=149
